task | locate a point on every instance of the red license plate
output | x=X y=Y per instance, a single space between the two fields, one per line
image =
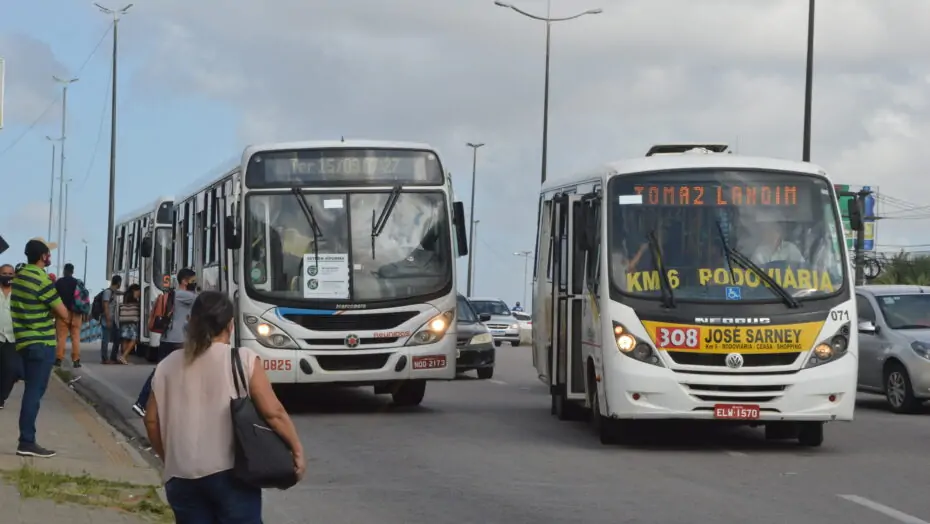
x=429 y=362
x=736 y=411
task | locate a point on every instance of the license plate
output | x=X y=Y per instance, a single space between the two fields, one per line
x=497 y=332
x=429 y=362
x=736 y=411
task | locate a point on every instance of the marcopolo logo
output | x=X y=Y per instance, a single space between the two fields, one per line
x=734 y=321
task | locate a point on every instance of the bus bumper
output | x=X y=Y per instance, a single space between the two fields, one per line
x=823 y=393
x=359 y=367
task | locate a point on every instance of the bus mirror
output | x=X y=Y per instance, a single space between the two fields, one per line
x=854 y=211
x=147 y=246
x=231 y=236
x=458 y=219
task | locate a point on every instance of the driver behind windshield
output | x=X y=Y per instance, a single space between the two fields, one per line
x=774 y=247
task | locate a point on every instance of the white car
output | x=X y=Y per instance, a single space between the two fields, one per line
x=504 y=327
x=526 y=326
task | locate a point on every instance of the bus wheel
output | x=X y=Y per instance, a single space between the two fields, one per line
x=810 y=434
x=409 y=393
x=606 y=429
x=565 y=409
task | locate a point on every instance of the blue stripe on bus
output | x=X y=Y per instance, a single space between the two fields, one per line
x=281 y=311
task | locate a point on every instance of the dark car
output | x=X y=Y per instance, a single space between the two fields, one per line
x=475 y=346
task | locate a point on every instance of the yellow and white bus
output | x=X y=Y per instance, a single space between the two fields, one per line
x=695 y=284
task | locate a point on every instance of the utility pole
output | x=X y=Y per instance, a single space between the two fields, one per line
x=860 y=237
x=51 y=189
x=526 y=267
x=474 y=245
x=809 y=83
x=61 y=163
x=64 y=242
x=471 y=214
x=85 y=260
x=111 y=218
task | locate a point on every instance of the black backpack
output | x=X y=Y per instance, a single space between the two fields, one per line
x=96 y=309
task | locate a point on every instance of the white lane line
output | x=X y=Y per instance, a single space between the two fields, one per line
x=900 y=516
x=736 y=453
x=498 y=382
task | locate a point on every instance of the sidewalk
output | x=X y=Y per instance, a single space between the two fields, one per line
x=96 y=478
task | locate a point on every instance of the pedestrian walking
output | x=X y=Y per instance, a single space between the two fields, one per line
x=74 y=297
x=129 y=316
x=109 y=333
x=10 y=363
x=33 y=302
x=190 y=406
x=173 y=308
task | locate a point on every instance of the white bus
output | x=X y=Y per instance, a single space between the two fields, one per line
x=340 y=257
x=142 y=255
x=696 y=285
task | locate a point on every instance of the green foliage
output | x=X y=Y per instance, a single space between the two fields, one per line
x=905 y=268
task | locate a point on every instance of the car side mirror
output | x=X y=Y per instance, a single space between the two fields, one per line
x=484 y=317
x=867 y=327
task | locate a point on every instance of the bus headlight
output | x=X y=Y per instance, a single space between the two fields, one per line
x=481 y=338
x=434 y=329
x=631 y=346
x=829 y=349
x=268 y=334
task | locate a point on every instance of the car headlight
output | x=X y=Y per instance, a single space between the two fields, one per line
x=921 y=348
x=481 y=338
x=433 y=330
x=514 y=326
x=829 y=349
x=268 y=334
x=631 y=346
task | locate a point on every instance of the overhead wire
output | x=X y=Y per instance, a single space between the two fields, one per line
x=103 y=117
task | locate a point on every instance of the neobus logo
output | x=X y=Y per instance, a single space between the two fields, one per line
x=740 y=321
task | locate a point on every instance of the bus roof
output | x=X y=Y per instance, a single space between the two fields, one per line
x=208 y=178
x=681 y=161
x=149 y=208
x=334 y=144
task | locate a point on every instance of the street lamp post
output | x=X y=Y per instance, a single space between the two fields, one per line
x=85 y=260
x=809 y=82
x=471 y=214
x=64 y=241
x=111 y=218
x=474 y=246
x=51 y=189
x=61 y=161
x=549 y=20
x=526 y=266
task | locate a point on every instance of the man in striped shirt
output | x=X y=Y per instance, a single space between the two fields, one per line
x=33 y=301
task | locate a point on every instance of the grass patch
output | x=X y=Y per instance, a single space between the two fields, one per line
x=64 y=374
x=85 y=490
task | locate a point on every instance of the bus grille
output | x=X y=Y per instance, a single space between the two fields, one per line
x=750 y=360
x=352 y=362
x=353 y=322
x=735 y=394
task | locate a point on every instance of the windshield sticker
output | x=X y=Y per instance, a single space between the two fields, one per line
x=889 y=301
x=734 y=293
x=332 y=203
x=625 y=200
x=326 y=278
x=797 y=279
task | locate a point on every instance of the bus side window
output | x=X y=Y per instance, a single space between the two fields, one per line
x=593 y=259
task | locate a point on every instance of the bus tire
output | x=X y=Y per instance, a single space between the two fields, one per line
x=409 y=393
x=566 y=409
x=485 y=373
x=606 y=428
x=810 y=434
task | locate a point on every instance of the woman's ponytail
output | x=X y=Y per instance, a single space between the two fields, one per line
x=210 y=316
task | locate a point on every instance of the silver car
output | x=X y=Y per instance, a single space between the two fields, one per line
x=503 y=325
x=894 y=344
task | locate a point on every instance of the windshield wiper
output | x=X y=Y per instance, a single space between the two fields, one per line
x=378 y=226
x=747 y=263
x=311 y=220
x=668 y=296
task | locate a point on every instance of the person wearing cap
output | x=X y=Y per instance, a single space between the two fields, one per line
x=33 y=302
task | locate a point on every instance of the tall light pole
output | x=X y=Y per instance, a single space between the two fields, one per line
x=471 y=214
x=526 y=266
x=111 y=218
x=65 y=82
x=64 y=241
x=51 y=189
x=474 y=244
x=85 y=260
x=809 y=83
x=549 y=20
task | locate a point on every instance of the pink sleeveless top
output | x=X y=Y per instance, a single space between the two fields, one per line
x=193 y=410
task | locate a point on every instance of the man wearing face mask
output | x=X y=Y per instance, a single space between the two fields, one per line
x=10 y=363
x=34 y=303
x=182 y=300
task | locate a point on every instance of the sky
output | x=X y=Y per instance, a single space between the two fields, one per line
x=198 y=81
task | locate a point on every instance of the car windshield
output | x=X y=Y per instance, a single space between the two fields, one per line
x=698 y=223
x=906 y=311
x=491 y=307
x=467 y=315
x=162 y=254
x=411 y=257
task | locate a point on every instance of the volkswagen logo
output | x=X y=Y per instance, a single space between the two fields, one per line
x=352 y=342
x=734 y=360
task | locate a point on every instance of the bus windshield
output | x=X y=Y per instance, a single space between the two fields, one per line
x=286 y=259
x=701 y=224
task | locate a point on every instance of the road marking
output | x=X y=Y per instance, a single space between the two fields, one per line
x=495 y=381
x=736 y=453
x=900 y=516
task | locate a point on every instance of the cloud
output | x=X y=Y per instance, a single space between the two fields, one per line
x=30 y=65
x=643 y=72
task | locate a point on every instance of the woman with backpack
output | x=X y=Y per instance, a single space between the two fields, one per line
x=129 y=315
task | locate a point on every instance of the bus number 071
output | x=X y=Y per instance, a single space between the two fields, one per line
x=678 y=338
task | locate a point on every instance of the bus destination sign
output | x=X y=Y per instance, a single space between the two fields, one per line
x=749 y=195
x=343 y=166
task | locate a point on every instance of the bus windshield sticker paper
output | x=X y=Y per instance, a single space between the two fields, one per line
x=326 y=278
x=625 y=200
x=734 y=293
x=332 y=203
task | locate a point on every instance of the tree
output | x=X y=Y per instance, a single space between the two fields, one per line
x=905 y=268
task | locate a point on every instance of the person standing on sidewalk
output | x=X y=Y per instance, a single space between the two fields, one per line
x=10 y=363
x=68 y=287
x=109 y=332
x=176 y=305
x=32 y=303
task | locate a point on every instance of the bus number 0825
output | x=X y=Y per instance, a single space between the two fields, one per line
x=276 y=364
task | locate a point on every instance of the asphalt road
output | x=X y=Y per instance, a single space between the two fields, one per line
x=489 y=452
